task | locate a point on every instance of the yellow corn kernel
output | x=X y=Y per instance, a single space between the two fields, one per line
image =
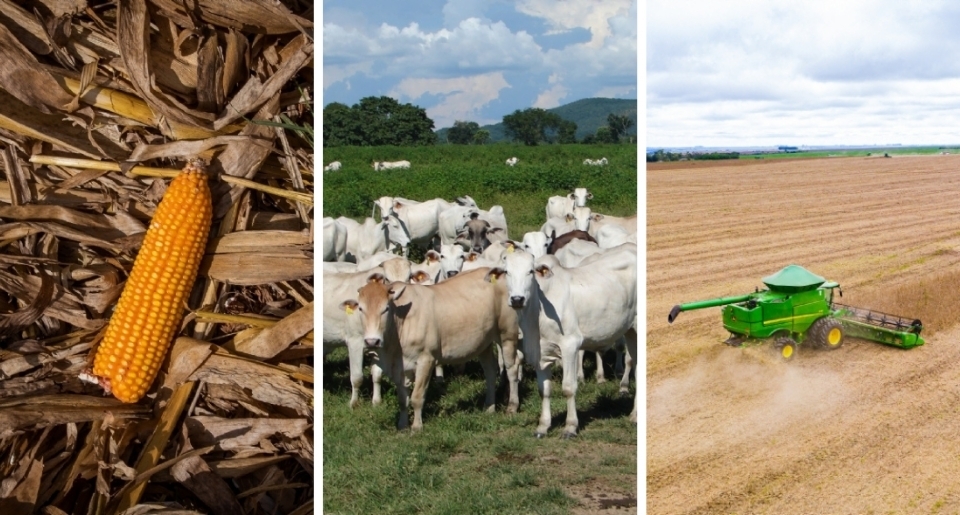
x=148 y=313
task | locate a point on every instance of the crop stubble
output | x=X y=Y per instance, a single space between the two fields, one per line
x=866 y=428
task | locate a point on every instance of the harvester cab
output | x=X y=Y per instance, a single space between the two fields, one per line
x=798 y=307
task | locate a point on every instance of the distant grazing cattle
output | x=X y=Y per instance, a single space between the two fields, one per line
x=512 y=161
x=390 y=165
x=332 y=167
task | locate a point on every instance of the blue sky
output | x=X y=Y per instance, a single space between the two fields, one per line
x=479 y=60
x=818 y=72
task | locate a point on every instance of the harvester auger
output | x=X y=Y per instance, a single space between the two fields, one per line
x=798 y=307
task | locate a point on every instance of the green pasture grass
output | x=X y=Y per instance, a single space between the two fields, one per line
x=451 y=171
x=466 y=461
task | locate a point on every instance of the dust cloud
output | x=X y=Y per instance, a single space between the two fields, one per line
x=728 y=396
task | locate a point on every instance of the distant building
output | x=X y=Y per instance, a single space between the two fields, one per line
x=784 y=148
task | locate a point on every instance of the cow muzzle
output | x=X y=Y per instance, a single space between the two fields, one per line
x=517 y=301
x=373 y=343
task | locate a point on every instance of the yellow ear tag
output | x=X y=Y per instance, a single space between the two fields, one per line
x=493 y=279
x=510 y=249
x=349 y=310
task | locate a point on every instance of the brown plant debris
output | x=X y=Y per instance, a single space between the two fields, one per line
x=101 y=103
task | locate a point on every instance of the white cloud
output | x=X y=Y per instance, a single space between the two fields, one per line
x=551 y=97
x=594 y=16
x=858 y=72
x=463 y=97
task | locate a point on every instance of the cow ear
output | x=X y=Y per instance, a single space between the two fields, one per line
x=543 y=271
x=474 y=215
x=419 y=277
x=494 y=274
x=472 y=256
x=589 y=195
x=397 y=205
x=378 y=277
x=597 y=217
x=569 y=217
x=570 y=195
x=432 y=256
x=349 y=306
x=396 y=290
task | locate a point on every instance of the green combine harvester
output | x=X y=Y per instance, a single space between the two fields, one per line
x=798 y=307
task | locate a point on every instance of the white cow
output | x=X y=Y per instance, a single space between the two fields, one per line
x=390 y=165
x=586 y=220
x=339 y=328
x=451 y=322
x=575 y=251
x=610 y=235
x=370 y=237
x=421 y=220
x=595 y=162
x=557 y=226
x=332 y=167
x=452 y=222
x=558 y=207
x=512 y=161
x=536 y=243
x=334 y=240
x=586 y=307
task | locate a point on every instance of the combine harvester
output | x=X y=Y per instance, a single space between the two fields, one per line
x=798 y=307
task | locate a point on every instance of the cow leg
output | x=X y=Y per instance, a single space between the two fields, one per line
x=393 y=366
x=489 y=363
x=544 y=371
x=580 y=376
x=511 y=363
x=438 y=373
x=600 y=377
x=619 y=369
x=569 y=388
x=420 y=383
x=376 y=373
x=632 y=351
x=628 y=363
x=355 y=357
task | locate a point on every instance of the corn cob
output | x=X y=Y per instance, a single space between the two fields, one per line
x=150 y=308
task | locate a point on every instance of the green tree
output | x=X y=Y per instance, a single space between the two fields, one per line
x=605 y=135
x=377 y=121
x=340 y=127
x=481 y=137
x=462 y=133
x=619 y=124
x=567 y=132
x=530 y=125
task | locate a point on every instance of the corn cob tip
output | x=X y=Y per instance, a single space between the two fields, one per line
x=196 y=165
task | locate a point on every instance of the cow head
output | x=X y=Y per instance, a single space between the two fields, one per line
x=476 y=233
x=535 y=243
x=372 y=307
x=580 y=196
x=451 y=260
x=517 y=268
x=396 y=233
x=581 y=217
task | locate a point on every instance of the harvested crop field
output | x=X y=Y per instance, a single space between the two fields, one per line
x=863 y=429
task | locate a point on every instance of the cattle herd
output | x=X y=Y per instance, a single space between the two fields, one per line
x=543 y=300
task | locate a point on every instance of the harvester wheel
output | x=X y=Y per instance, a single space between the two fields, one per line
x=786 y=348
x=827 y=333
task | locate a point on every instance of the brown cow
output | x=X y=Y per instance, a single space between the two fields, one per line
x=447 y=323
x=558 y=242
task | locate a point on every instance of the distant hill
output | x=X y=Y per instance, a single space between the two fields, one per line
x=589 y=114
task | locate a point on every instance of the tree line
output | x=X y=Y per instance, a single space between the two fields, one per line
x=383 y=120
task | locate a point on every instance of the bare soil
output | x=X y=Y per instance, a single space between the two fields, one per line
x=864 y=429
